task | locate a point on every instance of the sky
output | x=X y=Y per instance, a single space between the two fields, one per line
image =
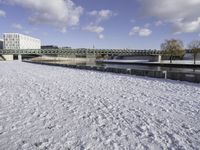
x=135 y=24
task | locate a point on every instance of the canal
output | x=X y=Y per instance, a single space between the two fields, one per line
x=124 y=66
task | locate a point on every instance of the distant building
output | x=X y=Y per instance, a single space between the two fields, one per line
x=66 y=47
x=20 y=41
x=1 y=43
x=49 y=47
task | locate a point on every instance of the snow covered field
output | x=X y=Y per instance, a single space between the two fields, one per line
x=45 y=107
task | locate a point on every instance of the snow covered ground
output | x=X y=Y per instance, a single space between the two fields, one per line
x=181 y=62
x=122 y=61
x=54 y=108
x=147 y=61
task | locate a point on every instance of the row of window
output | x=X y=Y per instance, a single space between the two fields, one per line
x=11 y=44
x=11 y=36
x=12 y=39
x=17 y=37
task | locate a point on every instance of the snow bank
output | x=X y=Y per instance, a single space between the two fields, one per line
x=43 y=107
x=122 y=61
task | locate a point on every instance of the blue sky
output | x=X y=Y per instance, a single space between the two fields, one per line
x=137 y=24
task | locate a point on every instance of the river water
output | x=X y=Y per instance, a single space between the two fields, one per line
x=124 y=66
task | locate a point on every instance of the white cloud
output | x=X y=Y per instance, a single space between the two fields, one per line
x=143 y=32
x=188 y=27
x=102 y=15
x=2 y=13
x=182 y=15
x=93 y=13
x=17 y=26
x=101 y=36
x=159 y=23
x=94 y=28
x=59 y=13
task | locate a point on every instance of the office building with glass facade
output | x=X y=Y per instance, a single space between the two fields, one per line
x=19 y=41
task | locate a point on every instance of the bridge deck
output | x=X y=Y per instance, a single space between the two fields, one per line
x=122 y=52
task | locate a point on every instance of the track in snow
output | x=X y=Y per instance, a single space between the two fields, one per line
x=45 y=107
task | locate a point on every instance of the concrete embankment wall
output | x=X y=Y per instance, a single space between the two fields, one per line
x=76 y=59
x=182 y=76
x=6 y=57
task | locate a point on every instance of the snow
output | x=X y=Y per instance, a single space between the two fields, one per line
x=122 y=61
x=55 y=108
x=180 y=62
x=147 y=61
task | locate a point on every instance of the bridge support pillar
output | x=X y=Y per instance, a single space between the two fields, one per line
x=90 y=56
x=90 y=59
x=159 y=58
x=7 y=57
x=72 y=56
x=20 y=57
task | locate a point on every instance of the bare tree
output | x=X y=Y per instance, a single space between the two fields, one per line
x=195 y=47
x=173 y=48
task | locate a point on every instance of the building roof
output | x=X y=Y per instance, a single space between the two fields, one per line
x=21 y=35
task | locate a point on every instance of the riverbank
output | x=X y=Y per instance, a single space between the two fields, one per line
x=164 y=63
x=182 y=76
x=47 y=107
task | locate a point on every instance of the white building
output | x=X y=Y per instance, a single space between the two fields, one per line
x=20 y=41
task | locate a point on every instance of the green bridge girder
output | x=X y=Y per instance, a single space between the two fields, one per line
x=111 y=52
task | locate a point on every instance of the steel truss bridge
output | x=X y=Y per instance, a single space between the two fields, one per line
x=84 y=52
